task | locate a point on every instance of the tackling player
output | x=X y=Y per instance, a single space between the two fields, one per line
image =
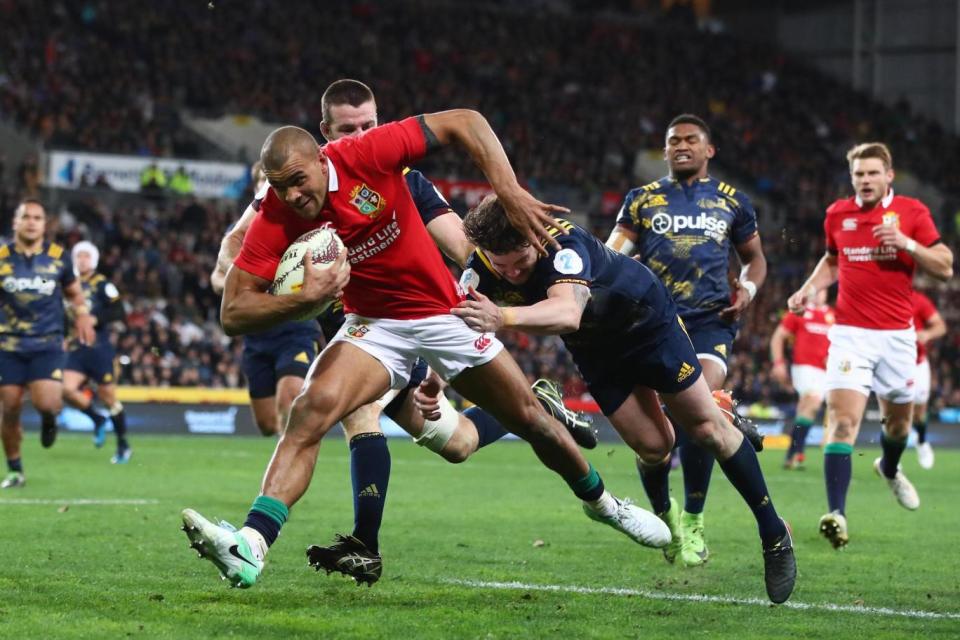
x=683 y=227
x=349 y=110
x=96 y=362
x=621 y=326
x=398 y=303
x=36 y=276
x=875 y=240
x=808 y=370
x=930 y=326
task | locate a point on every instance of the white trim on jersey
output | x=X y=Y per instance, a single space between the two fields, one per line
x=333 y=181
x=887 y=199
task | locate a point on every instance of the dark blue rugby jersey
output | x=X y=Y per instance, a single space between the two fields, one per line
x=685 y=234
x=31 y=297
x=105 y=304
x=618 y=287
x=430 y=204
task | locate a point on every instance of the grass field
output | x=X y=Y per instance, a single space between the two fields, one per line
x=454 y=537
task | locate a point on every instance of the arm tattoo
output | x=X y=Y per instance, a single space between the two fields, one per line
x=432 y=143
x=581 y=294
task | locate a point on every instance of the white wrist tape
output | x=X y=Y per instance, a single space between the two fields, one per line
x=750 y=288
x=911 y=246
x=437 y=433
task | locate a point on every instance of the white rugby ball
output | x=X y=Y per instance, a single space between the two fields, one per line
x=324 y=245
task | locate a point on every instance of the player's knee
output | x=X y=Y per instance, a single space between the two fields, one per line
x=48 y=405
x=455 y=452
x=896 y=426
x=706 y=433
x=843 y=427
x=268 y=426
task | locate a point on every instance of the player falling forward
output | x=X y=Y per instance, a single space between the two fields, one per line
x=808 y=372
x=398 y=302
x=96 y=362
x=621 y=326
x=875 y=240
x=929 y=325
x=683 y=227
x=349 y=110
x=36 y=277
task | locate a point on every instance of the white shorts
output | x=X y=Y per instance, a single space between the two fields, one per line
x=808 y=379
x=447 y=344
x=921 y=388
x=878 y=360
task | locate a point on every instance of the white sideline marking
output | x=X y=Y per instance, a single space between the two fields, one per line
x=693 y=597
x=80 y=501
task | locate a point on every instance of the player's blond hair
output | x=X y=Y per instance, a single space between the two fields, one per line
x=871 y=150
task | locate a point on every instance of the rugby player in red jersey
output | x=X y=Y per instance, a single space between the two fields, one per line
x=808 y=372
x=875 y=240
x=929 y=325
x=398 y=296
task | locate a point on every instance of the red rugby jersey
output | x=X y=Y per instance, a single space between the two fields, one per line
x=396 y=269
x=810 y=343
x=876 y=282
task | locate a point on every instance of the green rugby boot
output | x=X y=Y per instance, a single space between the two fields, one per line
x=693 y=547
x=224 y=546
x=672 y=519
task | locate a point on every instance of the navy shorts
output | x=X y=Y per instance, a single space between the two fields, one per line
x=712 y=337
x=97 y=362
x=291 y=356
x=22 y=367
x=416 y=377
x=657 y=355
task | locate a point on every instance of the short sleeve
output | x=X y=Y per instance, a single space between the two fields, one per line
x=67 y=276
x=629 y=214
x=831 y=243
x=261 y=252
x=429 y=201
x=924 y=230
x=391 y=146
x=791 y=322
x=570 y=265
x=744 y=220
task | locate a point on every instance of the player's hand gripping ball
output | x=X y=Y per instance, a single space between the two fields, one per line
x=323 y=245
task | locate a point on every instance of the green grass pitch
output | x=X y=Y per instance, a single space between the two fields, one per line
x=453 y=536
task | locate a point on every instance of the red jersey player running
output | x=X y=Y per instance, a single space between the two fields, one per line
x=397 y=294
x=809 y=369
x=875 y=240
x=929 y=325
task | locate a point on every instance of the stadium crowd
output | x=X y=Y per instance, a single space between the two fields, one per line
x=781 y=129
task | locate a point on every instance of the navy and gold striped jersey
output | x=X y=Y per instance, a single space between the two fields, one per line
x=684 y=235
x=618 y=286
x=105 y=304
x=31 y=299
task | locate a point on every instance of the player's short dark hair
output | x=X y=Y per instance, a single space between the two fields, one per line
x=689 y=118
x=486 y=226
x=346 y=91
x=871 y=150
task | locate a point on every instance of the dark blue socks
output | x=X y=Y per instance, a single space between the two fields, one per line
x=837 y=469
x=743 y=471
x=488 y=428
x=370 y=474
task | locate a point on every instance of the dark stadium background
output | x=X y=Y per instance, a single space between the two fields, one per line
x=579 y=92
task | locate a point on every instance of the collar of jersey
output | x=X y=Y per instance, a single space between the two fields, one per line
x=887 y=199
x=333 y=180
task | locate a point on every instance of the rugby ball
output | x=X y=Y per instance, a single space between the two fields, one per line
x=324 y=245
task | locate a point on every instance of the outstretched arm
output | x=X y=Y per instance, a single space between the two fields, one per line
x=559 y=313
x=471 y=131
